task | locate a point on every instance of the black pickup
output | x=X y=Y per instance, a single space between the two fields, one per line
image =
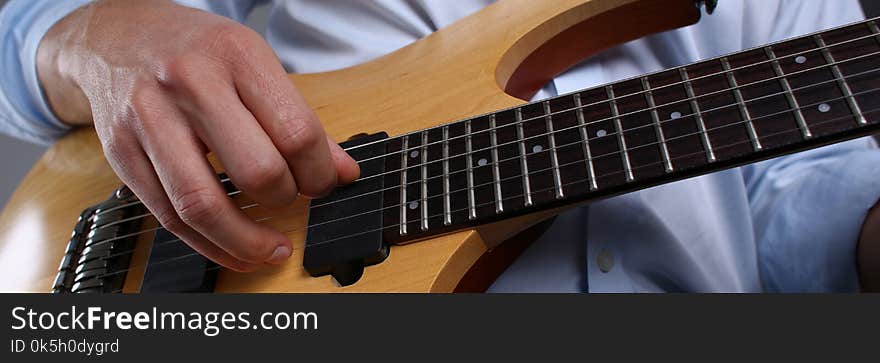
x=345 y=228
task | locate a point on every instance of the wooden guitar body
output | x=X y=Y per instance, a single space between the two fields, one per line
x=488 y=61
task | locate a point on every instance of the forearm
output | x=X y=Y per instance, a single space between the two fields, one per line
x=868 y=252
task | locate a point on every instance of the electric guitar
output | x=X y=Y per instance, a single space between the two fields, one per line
x=453 y=161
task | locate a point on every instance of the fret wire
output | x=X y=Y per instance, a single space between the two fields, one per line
x=527 y=190
x=472 y=204
x=582 y=127
x=328 y=241
x=701 y=124
x=673 y=84
x=686 y=155
x=424 y=181
x=741 y=102
x=374 y=230
x=705 y=131
x=874 y=29
x=571 y=163
x=496 y=172
x=621 y=141
x=716 y=58
x=691 y=97
x=875 y=90
x=404 y=146
x=681 y=69
x=608 y=174
x=677 y=83
x=554 y=158
x=841 y=82
x=447 y=207
x=789 y=94
x=658 y=128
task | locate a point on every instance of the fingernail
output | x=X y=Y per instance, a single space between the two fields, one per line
x=281 y=254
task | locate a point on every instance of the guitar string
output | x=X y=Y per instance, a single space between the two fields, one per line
x=177 y=258
x=519 y=196
x=612 y=118
x=768 y=61
x=541 y=135
x=224 y=180
x=551 y=134
x=251 y=205
x=607 y=101
x=517 y=157
x=873 y=35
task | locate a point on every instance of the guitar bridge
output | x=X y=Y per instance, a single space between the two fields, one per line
x=98 y=254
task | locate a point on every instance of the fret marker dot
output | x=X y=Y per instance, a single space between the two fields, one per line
x=482 y=162
x=414 y=154
x=601 y=133
x=800 y=59
x=413 y=205
x=675 y=115
x=824 y=107
x=537 y=148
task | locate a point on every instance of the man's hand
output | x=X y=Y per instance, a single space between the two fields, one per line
x=165 y=84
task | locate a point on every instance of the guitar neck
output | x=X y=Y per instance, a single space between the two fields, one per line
x=666 y=126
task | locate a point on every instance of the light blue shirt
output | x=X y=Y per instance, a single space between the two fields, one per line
x=787 y=224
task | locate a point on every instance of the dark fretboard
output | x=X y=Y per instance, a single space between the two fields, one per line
x=632 y=134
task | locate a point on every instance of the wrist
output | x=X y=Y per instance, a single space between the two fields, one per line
x=56 y=64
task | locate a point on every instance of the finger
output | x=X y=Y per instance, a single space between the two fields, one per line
x=347 y=169
x=263 y=86
x=134 y=169
x=250 y=158
x=196 y=194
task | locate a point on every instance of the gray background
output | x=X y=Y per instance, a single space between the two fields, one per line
x=17 y=157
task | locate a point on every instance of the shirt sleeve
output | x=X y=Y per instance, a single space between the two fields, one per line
x=808 y=208
x=237 y=10
x=24 y=112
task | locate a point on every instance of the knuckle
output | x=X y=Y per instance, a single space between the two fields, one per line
x=144 y=108
x=262 y=175
x=316 y=190
x=197 y=207
x=116 y=150
x=232 y=40
x=298 y=135
x=169 y=220
x=143 y=100
x=121 y=154
x=318 y=185
x=183 y=72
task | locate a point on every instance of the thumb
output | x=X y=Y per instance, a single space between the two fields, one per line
x=347 y=169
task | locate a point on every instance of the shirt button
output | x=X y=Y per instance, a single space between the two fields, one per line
x=605 y=260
